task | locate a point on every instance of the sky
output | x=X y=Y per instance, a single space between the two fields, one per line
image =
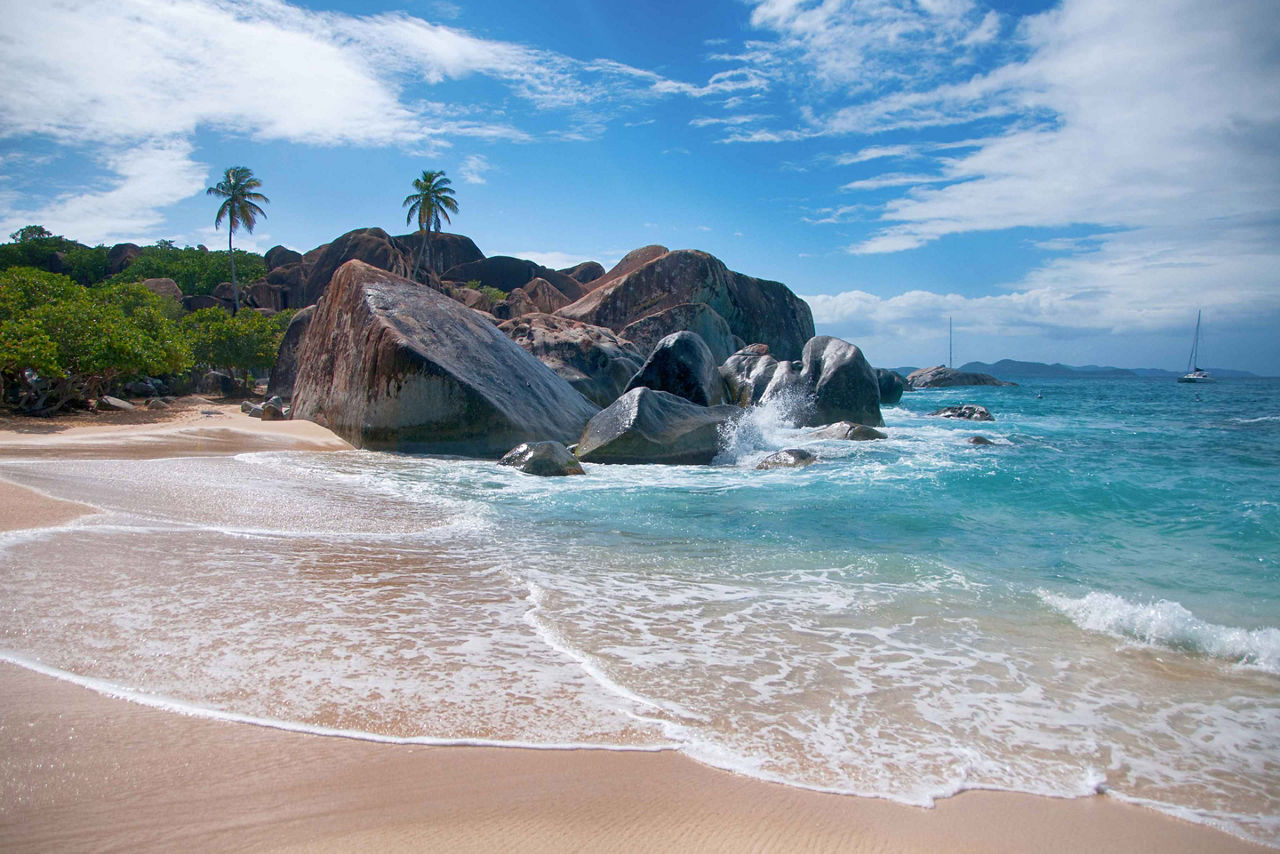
x=1067 y=181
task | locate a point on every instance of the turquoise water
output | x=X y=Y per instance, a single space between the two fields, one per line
x=1091 y=604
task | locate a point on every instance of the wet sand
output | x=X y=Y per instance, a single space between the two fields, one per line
x=84 y=771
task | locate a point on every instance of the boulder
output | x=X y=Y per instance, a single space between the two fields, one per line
x=262 y=294
x=980 y=440
x=156 y=403
x=291 y=279
x=447 y=250
x=285 y=371
x=789 y=458
x=843 y=384
x=279 y=256
x=373 y=246
x=647 y=426
x=253 y=410
x=755 y=309
x=506 y=274
x=471 y=298
x=545 y=459
x=968 y=411
x=216 y=383
x=682 y=364
x=940 y=376
x=195 y=302
x=165 y=288
x=747 y=374
x=846 y=431
x=594 y=360
x=139 y=388
x=389 y=364
x=226 y=292
x=694 y=317
x=107 y=403
x=892 y=385
x=275 y=410
x=121 y=256
x=545 y=296
x=584 y=273
x=632 y=261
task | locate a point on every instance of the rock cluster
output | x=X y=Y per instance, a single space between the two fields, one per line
x=940 y=376
x=967 y=411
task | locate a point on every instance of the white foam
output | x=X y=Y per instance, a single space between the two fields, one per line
x=1168 y=624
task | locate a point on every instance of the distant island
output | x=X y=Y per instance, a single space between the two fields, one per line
x=1014 y=369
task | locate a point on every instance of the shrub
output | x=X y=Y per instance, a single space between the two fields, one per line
x=197 y=271
x=235 y=344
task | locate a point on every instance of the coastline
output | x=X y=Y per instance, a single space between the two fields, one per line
x=82 y=770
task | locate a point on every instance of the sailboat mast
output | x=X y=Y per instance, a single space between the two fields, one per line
x=1195 y=348
x=949 y=352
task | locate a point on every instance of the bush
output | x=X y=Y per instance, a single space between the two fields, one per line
x=61 y=344
x=197 y=271
x=234 y=344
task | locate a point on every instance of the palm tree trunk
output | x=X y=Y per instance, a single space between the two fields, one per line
x=235 y=289
x=428 y=244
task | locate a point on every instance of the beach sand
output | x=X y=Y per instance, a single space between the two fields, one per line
x=80 y=770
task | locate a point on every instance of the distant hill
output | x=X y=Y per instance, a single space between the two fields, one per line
x=1014 y=368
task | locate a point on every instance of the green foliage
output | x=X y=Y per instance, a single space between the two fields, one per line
x=30 y=232
x=234 y=344
x=77 y=340
x=197 y=271
x=35 y=246
x=87 y=265
x=495 y=295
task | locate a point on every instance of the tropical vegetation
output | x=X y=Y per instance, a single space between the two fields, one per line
x=431 y=202
x=240 y=207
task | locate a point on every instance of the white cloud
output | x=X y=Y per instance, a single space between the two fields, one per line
x=554 y=259
x=876 y=152
x=473 y=169
x=894 y=179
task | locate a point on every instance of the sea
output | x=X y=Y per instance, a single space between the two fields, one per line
x=1089 y=605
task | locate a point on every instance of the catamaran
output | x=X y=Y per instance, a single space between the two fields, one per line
x=1194 y=374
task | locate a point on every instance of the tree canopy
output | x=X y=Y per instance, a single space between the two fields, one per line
x=431 y=202
x=239 y=191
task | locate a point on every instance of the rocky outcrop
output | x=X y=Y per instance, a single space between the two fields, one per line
x=695 y=317
x=892 y=385
x=261 y=294
x=121 y=256
x=980 y=440
x=226 y=292
x=940 y=376
x=846 y=431
x=447 y=250
x=389 y=364
x=647 y=426
x=788 y=458
x=285 y=371
x=747 y=374
x=506 y=274
x=584 y=273
x=682 y=365
x=967 y=411
x=545 y=459
x=843 y=384
x=195 y=302
x=592 y=359
x=279 y=256
x=471 y=298
x=107 y=403
x=372 y=246
x=755 y=309
x=536 y=297
x=632 y=261
x=165 y=288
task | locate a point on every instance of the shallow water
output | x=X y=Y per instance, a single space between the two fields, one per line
x=1091 y=604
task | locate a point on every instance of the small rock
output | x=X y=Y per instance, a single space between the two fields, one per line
x=969 y=411
x=254 y=410
x=107 y=403
x=545 y=459
x=157 y=403
x=245 y=406
x=790 y=458
x=274 y=410
x=980 y=440
x=846 y=430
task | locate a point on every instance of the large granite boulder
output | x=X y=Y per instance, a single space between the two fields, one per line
x=584 y=273
x=165 y=288
x=195 y=302
x=471 y=298
x=121 y=256
x=536 y=297
x=447 y=250
x=262 y=294
x=892 y=385
x=843 y=384
x=279 y=256
x=696 y=317
x=506 y=274
x=647 y=426
x=390 y=364
x=682 y=364
x=632 y=261
x=373 y=246
x=747 y=374
x=592 y=359
x=285 y=371
x=545 y=459
x=755 y=309
x=940 y=376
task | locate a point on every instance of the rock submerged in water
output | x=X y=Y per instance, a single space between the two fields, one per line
x=846 y=431
x=647 y=426
x=968 y=411
x=980 y=440
x=788 y=458
x=940 y=376
x=833 y=382
x=390 y=364
x=682 y=364
x=892 y=385
x=545 y=459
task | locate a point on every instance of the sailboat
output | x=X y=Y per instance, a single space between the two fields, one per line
x=1194 y=374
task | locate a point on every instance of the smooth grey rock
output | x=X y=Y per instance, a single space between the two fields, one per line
x=592 y=359
x=844 y=385
x=140 y=389
x=647 y=426
x=846 y=430
x=980 y=440
x=285 y=371
x=682 y=364
x=969 y=411
x=940 y=376
x=390 y=364
x=892 y=385
x=274 y=410
x=157 y=403
x=107 y=403
x=696 y=317
x=545 y=459
x=254 y=410
x=789 y=458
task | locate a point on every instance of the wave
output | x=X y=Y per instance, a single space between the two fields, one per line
x=1170 y=625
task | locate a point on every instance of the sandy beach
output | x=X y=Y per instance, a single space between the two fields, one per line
x=80 y=770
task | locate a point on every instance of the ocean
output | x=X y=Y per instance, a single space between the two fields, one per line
x=1091 y=604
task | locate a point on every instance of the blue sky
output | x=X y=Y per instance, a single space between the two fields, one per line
x=1070 y=181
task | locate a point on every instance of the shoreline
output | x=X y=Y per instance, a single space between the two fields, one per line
x=80 y=769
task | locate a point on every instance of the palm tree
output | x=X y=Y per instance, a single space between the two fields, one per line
x=238 y=188
x=431 y=202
